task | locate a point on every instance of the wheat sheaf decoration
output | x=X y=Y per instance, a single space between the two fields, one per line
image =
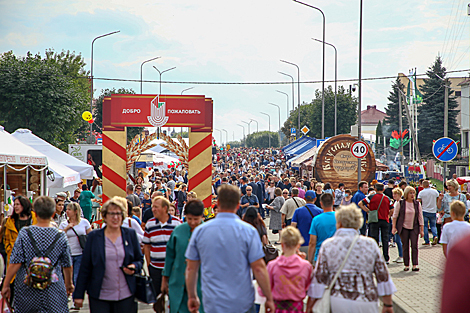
x=137 y=146
x=180 y=148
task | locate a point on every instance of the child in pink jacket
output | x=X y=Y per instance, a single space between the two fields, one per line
x=289 y=274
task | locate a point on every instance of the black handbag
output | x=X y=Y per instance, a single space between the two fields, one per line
x=81 y=239
x=144 y=291
x=270 y=252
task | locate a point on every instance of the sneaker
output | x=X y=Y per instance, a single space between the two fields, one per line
x=398 y=260
x=380 y=245
x=434 y=241
x=425 y=244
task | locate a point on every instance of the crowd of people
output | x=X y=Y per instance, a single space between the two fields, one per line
x=330 y=241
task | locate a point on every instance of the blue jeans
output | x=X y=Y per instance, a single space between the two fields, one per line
x=431 y=219
x=76 y=261
x=399 y=245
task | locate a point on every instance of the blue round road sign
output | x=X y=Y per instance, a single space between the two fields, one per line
x=445 y=149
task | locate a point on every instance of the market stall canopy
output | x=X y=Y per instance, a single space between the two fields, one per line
x=308 y=155
x=13 y=151
x=299 y=146
x=28 y=138
x=63 y=176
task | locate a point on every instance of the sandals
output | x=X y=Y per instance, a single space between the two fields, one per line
x=406 y=269
x=415 y=269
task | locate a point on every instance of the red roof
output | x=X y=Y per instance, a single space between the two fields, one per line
x=372 y=116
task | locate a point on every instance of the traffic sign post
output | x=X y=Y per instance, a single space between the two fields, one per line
x=445 y=150
x=359 y=149
x=305 y=130
x=292 y=132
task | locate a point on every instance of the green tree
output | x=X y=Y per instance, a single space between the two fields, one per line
x=175 y=134
x=261 y=139
x=98 y=109
x=44 y=94
x=311 y=114
x=235 y=144
x=431 y=112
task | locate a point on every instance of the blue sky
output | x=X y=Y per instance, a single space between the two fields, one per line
x=242 y=41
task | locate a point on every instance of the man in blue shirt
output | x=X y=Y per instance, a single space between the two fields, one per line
x=227 y=249
x=358 y=197
x=323 y=226
x=248 y=200
x=303 y=217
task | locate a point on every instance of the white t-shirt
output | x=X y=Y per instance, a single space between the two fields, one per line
x=429 y=197
x=453 y=232
x=80 y=229
x=135 y=226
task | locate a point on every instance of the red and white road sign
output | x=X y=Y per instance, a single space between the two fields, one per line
x=359 y=149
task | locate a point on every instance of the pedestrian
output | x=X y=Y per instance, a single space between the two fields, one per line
x=111 y=257
x=74 y=227
x=322 y=227
x=227 y=250
x=146 y=204
x=453 y=232
x=444 y=200
x=248 y=200
x=358 y=197
x=378 y=221
x=275 y=221
x=397 y=196
x=253 y=218
x=53 y=243
x=158 y=230
x=428 y=198
x=22 y=216
x=290 y=206
x=98 y=192
x=365 y=276
x=339 y=195
x=182 y=198
x=290 y=275
x=131 y=196
x=173 y=280
x=347 y=200
x=85 y=202
x=59 y=215
x=318 y=193
x=408 y=223
x=456 y=282
x=303 y=217
x=327 y=189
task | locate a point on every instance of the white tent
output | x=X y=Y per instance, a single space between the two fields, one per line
x=63 y=176
x=28 y=138
x=160 y=160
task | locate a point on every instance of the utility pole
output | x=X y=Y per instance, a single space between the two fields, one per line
x=359 y=103
x=446 y=117
x=400 y=126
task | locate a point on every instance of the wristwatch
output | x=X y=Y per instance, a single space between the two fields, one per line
x=388 y=305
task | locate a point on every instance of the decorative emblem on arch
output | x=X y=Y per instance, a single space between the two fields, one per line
x=157 y=116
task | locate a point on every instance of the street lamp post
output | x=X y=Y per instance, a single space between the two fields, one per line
x=359 y=86
x=226 y=136
x=269 y=127
x=257 y=125
x=323 y=69
x=336 y=79
x=220 y=135
x=292 y=78
x=161 y=76
x=248 y=126
x=279 y=108
x=186 y=89
x=298 y=94
x=141 y=65
x=244 y=142
x=287 y=112
x=91 y=73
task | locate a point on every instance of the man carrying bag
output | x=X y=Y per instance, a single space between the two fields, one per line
x=378 y=206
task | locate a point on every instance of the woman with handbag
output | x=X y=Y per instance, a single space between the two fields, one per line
x=354 y=260
x=173 y=279
x=111 y=257
x=76 y=229
x=408 y=223
x=275 y=222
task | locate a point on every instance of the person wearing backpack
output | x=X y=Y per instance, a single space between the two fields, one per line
x=39 y=257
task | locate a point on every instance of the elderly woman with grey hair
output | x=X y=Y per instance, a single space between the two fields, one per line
x=364 y=277
x=444 y=200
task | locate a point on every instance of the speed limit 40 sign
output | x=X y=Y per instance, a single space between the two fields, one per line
x=359 y=149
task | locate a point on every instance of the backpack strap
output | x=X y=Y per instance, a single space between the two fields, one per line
x=57 y=237
x=33 y=242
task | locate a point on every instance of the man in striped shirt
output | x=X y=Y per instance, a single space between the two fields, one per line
x=157 y=233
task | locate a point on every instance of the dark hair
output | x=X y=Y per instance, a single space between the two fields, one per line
x=403 y=183
x=228 y=196
x=95 y=184
x=327 y=186
x=340 y=185
x=251 y=217
x=129 y=208
x=362 y=183
x=194 y=207
x=327 y=199
x=379 y=187
x=44 y=207
x=391 y=181
x=26 y=208
x=370 y=189
x=84 y=187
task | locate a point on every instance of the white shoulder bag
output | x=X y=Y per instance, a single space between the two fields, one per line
x=323 y=305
